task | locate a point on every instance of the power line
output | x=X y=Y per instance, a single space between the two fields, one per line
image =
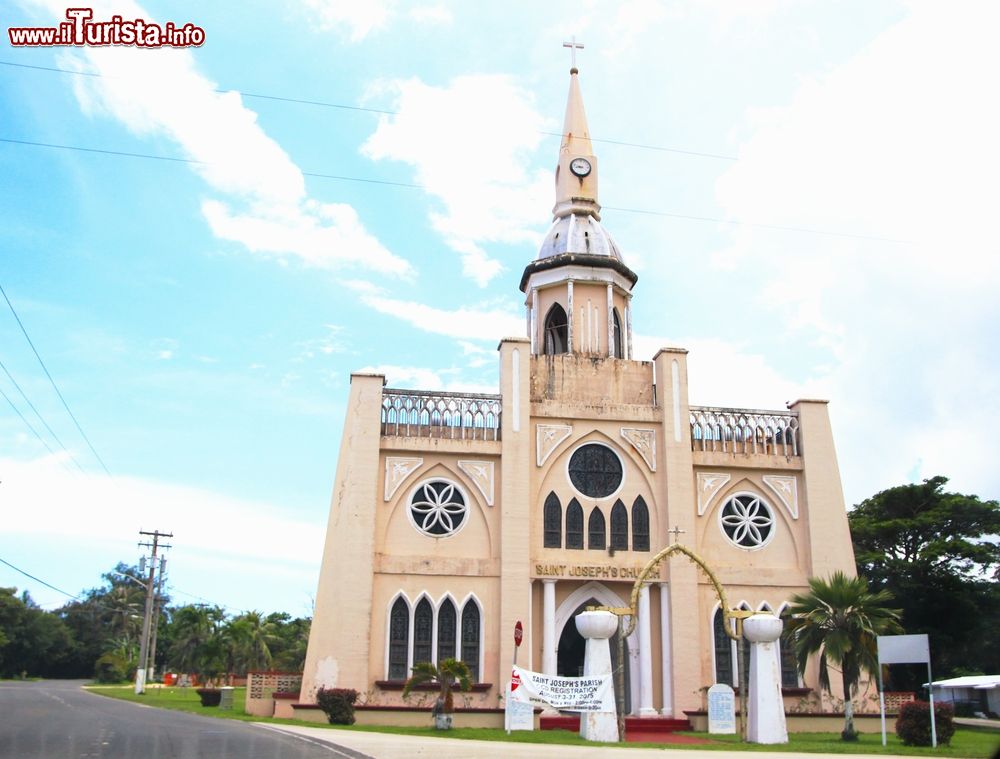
x=380 y=111
x=27 y=423
x=38 y=579
x=366 y=180
x=40 y=417
x=53 y=382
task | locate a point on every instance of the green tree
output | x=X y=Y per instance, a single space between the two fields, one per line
x=447 y=674
x=840 y=619
x=33 y=640
x=197 y=644
x=248 y=638
x=291 y=638
x=938 y=553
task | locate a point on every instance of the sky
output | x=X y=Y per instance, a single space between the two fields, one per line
x=203 y=243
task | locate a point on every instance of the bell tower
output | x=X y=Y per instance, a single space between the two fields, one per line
x=578 y=290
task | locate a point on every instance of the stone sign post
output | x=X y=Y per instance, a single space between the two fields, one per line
x=597 y=627
x=765 y=708
x=721 y=709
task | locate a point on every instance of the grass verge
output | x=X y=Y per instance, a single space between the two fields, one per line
x=972 y=743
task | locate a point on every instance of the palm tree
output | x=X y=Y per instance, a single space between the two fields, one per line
x=197 y=644
x=841 y=619
x=248 y=638
x=447 y=673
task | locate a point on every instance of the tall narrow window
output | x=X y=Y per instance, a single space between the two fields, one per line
x=556 y=331
x=640 y=525
x=446 y=631
x=574 y=525
x=399 y=640
x=423 y=631
x=723 y=650
x=619 y=527
x=786 y=647
x=618 y=346
x=552 y=522
x=596 y=530
x=470 y=638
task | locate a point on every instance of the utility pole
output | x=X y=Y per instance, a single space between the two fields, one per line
x=140 y=670
x=156 y=619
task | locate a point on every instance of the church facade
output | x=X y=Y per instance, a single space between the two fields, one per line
x=455 y=516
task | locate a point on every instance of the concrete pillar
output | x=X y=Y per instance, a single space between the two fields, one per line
x=515 y=501
x=337 y=655
x=645 y=656
x=549 y=660
x=666 y=669
x=597 y=627
x=765 y=709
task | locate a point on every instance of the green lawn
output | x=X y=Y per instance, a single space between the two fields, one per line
x=972 y=743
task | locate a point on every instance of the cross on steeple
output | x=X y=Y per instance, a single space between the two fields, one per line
x=573 y=46
x=676 y=532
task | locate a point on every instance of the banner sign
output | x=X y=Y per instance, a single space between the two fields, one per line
x=572 y=694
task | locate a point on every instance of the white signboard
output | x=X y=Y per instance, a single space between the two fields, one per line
x=904 y=649
x=721 y=709
x=572 y=694
x=518 y=715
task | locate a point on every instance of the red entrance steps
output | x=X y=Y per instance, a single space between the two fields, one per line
x=637 y=729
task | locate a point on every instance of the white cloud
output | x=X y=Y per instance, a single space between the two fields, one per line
x=897 y=142
x=47 y=505
x=160 y=93
x=480 y=324
x=357 y=19
x=421 y=378
x=470 y=144
x=432 y=14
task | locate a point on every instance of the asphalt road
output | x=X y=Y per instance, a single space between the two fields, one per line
x=57 y=719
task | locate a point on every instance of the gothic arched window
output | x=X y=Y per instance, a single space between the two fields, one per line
x=446 y=631
x=556 y=335
x=640 y=525
x=423 y=631
x=470 y=638
x=596 y=537
x=619 y=527
x=618 y=346
x=723 y=650
x=399 y=640
x=786 y=647
x=574 y=525
x=552 y=522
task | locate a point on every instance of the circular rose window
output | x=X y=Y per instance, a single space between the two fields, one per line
x=437 y=508
x=595 y=470
x=747 y=521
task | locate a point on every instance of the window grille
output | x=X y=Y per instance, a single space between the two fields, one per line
x=399 y=640
x=596 y=532
x=552 y=517
x=595 y=470
x=470 y=638
x=574 y=525
x=423 y=631
x=619 y=527
x=640 y=525
x=446 y=631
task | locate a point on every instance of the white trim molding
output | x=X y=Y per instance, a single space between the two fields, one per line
x=709 y=485
x=548 y=437
x=397 y=470
x=784 y=486
x=644 y=442
x=481 y=474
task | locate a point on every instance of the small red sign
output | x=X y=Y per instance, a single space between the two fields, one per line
x=518 y=634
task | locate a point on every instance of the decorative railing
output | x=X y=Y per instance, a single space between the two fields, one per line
x=739 y=430
x=457 y=416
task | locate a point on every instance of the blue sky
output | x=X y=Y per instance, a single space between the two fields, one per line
x=201 y=317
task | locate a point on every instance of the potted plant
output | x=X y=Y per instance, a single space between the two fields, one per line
x=447 y=673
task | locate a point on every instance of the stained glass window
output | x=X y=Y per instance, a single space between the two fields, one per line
x=552 y=517
x=423 y=631
x=446 y=631
x=399 y=640
x=595 y=470
x=619 y=527
x=723 y=650
x=574 y=525
x=470 y=638
x=640 y=525
x=596 y=530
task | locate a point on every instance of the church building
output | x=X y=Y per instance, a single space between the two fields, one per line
x=454 y=516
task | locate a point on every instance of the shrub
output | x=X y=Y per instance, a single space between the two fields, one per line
x=913 y=726
x=111 y=668
x=209 y=696
x=337 y=704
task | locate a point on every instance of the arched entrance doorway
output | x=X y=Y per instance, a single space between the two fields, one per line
x=570 y=644
x=571 y=650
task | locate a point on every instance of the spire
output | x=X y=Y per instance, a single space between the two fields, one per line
x=576 y=174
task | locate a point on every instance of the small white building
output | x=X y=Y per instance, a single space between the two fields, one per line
x=983 y=691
